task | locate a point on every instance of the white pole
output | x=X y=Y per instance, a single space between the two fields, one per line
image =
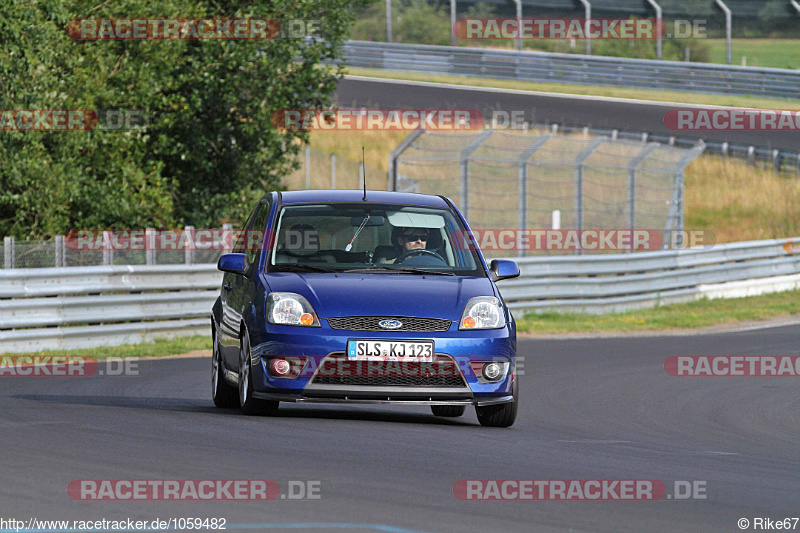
x=333 y=171
x=588 y=9
x=660 y=27
x=519 y=24
x=452 y=22
x=728 y=27
x=389 y=21
x=557 y=219
x=795 y=5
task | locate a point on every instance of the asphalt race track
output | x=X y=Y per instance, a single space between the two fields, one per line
x=597 y=112
x=591 y=409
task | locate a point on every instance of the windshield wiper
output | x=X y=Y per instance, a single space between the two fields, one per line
x=299 y=268
x=398 y=271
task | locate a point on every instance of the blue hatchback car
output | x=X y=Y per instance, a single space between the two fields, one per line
x=363 y=297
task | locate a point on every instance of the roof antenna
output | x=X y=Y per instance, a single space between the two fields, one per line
x=364 y=173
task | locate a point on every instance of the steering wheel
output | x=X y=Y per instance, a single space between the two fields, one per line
x=419 y=251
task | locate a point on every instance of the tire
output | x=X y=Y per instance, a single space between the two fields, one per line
x=502 y=415
x=250 y=405
x=223 y=394
x=449 y=411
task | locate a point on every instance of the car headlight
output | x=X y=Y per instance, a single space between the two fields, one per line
x=482 y=312
x=290 y=309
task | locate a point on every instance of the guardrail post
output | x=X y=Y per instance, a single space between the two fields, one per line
x=60 y=251
x=396 y=153
x=579 y=161
x=466 y=153
x=108 y=250
x=188 y=245
x=8 y=252
x=308 y=167
x=150 y=246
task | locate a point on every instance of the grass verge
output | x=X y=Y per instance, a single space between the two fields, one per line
x=592 y=90
x=769 y=53
x=158 y=348
x=701 y=313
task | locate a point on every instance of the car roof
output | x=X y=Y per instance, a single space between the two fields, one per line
x=355 y=196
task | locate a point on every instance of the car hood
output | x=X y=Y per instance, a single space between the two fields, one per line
x=383 y=294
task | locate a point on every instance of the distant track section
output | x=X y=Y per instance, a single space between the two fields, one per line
x=596 y=112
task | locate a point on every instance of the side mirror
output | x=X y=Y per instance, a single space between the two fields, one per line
x=503 y=269
x=234 y=263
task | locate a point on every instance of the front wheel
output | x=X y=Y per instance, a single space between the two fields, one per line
x=249 y=404
x=221 y=392
x=502 y=415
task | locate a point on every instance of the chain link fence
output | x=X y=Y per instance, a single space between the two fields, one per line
x=542 y=181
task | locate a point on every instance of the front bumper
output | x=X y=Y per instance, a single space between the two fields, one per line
x=317 y=345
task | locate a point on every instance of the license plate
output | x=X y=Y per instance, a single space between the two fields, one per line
x=380 y=350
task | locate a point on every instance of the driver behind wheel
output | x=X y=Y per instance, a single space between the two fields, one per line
x=404 y=240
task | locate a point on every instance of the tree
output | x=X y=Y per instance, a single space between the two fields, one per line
x=207 y=148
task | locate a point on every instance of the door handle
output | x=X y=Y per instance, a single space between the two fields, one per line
x=227 y=287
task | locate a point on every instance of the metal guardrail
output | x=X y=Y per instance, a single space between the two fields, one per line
x=84 y=307
x=574 y=68
x=619 y=282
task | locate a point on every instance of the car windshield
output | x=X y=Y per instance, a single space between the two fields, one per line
x=378 y=238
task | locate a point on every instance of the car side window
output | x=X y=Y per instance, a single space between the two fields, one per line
x=256 y=233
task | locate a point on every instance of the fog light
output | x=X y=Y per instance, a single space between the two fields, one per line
x=492 y=371
x=280 y=367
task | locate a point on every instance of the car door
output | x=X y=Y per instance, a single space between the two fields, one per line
x=231 y=311
x=243 y=288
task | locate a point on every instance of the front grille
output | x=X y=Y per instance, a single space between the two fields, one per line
x=370 y=323
x=337 y=369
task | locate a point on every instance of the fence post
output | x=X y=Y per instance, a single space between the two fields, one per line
x=452 y=22
x=588 y=11
x=361 y=176
x=522 y=185
x=308 y=168
x=149 y=246
x=579 y=161
x=108 y=251
x=189 y=245
x=227 y=230
x=8 y=252
x=333 y=171
x=60 y=251
x=465 y=155
x=392 y=178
